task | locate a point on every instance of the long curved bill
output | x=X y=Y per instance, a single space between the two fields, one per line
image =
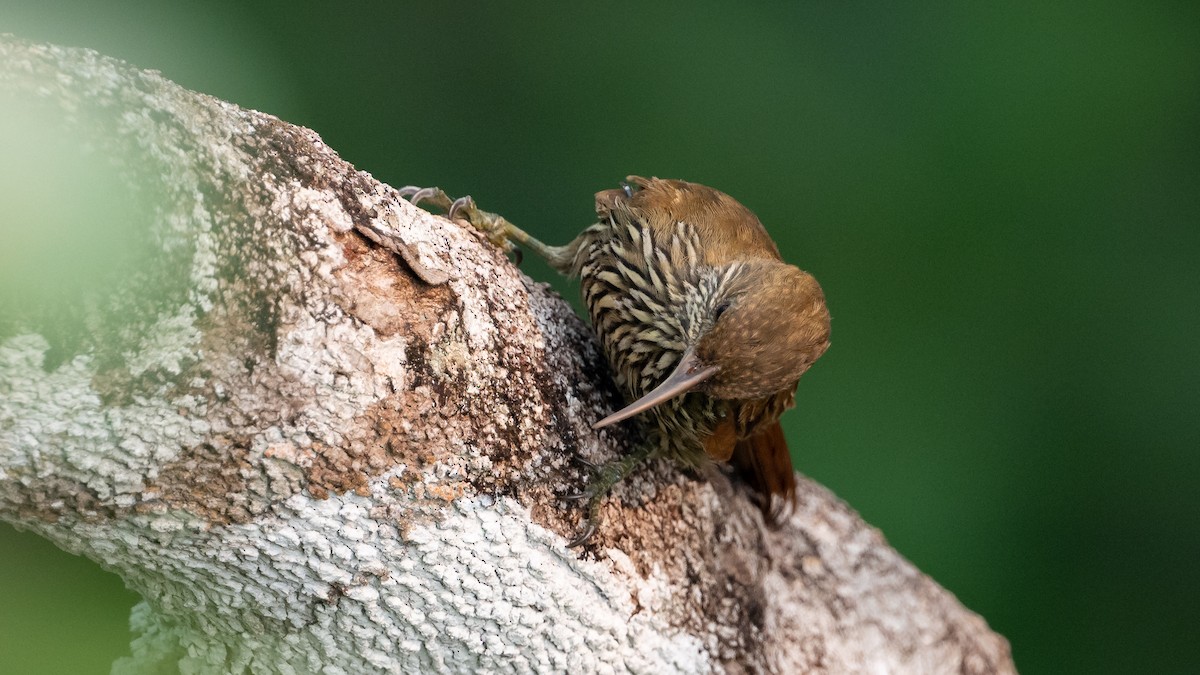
x=686 y=375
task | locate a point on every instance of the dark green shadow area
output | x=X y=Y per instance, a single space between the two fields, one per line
x=61 y=613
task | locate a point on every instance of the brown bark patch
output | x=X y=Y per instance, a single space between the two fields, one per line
x=391 y=302
x=54 y=497
x=214 y=480
x=720 y=558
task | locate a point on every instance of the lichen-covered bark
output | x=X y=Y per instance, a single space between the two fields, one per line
x=321 y=430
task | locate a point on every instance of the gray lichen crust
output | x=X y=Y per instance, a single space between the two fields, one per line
x=320 y=430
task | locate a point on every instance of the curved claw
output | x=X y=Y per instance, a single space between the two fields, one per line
x=588 y=531
x=423 y=194
x=578 y=459
x=408 y=191
x=518 y=257
x=462 y=203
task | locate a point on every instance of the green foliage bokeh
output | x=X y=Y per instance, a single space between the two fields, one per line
x=1002 y=204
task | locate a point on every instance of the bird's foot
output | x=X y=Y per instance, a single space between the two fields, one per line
x=604 y=477
x=593 y=495
x=495 y=227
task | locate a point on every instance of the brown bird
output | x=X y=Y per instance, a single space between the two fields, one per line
x=706 y=328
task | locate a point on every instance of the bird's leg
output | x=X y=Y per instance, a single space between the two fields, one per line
x=603 y=480
x=498 y=230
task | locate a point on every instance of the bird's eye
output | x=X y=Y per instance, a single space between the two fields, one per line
x=719 y=310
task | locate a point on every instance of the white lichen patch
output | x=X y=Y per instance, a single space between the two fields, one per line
x=55 y=425
x=315 y=209
x=167 y=344
x=482 y=590
x=425 y=249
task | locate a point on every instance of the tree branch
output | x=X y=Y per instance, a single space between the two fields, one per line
x=319 y=429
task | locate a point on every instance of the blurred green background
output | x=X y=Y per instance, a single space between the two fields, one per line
x=1002 y=204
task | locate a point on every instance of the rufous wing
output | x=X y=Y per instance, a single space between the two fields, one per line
x=719 y=445
x=765 y=464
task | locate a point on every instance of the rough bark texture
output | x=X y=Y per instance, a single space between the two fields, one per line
x=321 y=430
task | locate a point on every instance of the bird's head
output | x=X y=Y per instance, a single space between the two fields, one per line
x=751 y=333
